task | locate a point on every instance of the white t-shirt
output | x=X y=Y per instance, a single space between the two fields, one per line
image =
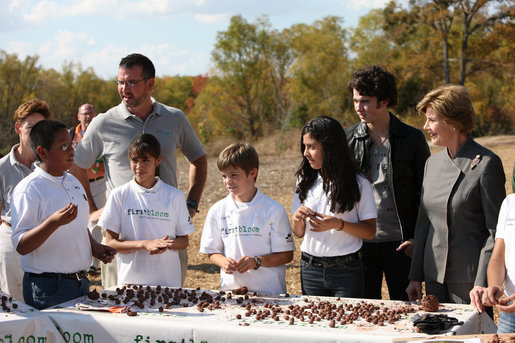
x=334 y=242
x=506 y=230
x=34 y=199
x=259 y=227
x=138 y=213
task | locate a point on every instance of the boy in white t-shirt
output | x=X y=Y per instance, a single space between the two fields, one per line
x=147 y=221
x=50 y=222
x=247 y=234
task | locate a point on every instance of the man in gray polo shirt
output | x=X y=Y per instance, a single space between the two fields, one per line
x=13 y=168
x=110 y=134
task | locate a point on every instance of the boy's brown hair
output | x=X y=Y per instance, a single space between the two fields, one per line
x=238 y=155
x=32 y=106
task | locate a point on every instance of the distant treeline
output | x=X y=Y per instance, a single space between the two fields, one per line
x=266 y=81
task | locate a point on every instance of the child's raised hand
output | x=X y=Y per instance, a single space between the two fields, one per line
x=321 y=222
x=65 y=215
x=229 y=265
x=302 y=213
x=158 y=246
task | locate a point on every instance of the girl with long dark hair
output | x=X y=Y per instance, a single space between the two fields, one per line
x=333 y=210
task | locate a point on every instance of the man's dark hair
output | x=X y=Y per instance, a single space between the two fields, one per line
x=144 y=62
x=43 y=134
x=375 y=81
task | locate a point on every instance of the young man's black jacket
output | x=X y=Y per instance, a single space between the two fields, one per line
x=408 y=154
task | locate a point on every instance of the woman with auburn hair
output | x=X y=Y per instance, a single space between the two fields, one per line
x=462 y=192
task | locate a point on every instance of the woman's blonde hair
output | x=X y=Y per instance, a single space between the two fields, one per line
x=453 y=104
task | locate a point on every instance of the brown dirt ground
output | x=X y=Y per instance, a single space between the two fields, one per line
x=277 y=180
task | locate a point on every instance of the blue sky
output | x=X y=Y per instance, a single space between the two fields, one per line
x=177 y=35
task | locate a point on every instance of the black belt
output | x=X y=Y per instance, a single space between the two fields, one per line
x=327 y=262
x=98 y=178
x=73 y=276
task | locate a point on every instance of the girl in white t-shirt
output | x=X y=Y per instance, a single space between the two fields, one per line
x=333 y=209
x=147 y=221
x=501 y=271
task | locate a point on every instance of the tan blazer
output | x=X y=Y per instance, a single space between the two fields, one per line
x=459 y=206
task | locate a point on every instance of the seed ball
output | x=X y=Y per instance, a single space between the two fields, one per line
x=430 y=303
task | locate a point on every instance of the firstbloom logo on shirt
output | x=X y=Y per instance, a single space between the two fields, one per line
x=151 y=213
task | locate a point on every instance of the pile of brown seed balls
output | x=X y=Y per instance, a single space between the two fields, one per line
x=333 y=313
x=164 y=297
x=343 y=313
x=6 y=301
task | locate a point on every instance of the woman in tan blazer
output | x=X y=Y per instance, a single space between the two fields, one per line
x=462 y=192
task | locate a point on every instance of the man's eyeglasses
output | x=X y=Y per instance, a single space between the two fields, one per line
x=65 y=147
x=129 y=84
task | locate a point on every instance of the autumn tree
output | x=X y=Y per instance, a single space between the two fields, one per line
x=471 y=18
x=320 y=72
x=241 y=70
x=65 y=91
x=18 y=82
x=173 y=90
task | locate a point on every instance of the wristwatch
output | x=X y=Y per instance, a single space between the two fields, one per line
x=258 y=262
x=193 y=204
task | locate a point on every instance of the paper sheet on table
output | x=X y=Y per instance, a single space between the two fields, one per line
x=88 y=307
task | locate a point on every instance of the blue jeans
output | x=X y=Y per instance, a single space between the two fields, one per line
x=344 y=280
x=506 y=323
x=42 y=292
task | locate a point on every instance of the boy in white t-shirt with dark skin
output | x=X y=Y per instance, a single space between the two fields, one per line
x=147 y=221
x=49 y=221
x=247 y=234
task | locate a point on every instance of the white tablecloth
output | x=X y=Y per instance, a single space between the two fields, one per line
x=188 y=325
x=26 y=324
